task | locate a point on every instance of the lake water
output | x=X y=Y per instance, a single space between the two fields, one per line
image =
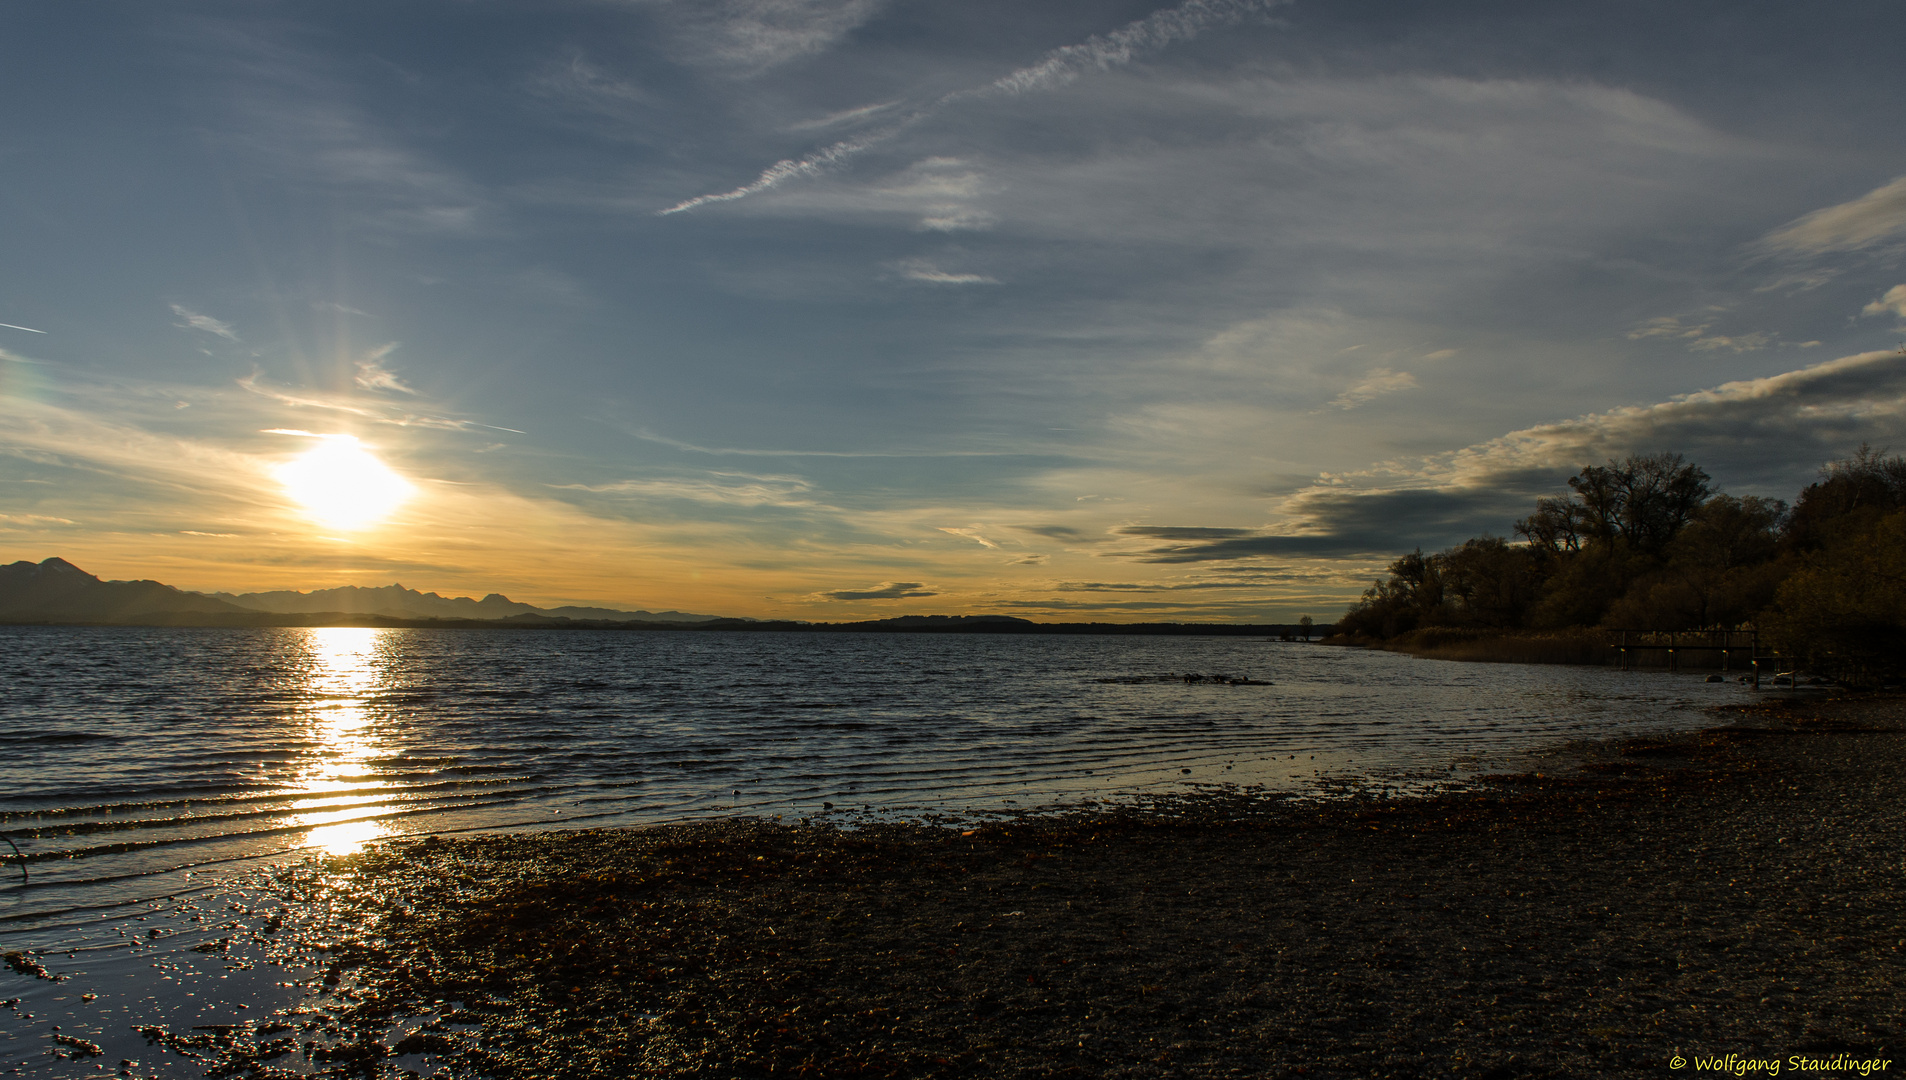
x=139 y=762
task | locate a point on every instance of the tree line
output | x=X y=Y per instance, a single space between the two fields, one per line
x=1647 y=543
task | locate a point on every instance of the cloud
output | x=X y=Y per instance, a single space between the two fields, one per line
x=28 y=329
x=1878 y=215
x=579 y=82
x=921 y=270
x=1102 y=52
x=195 y=321
x=845 y=117
x=1180 y=532
x=298 y=115
x=971 y=532
x=722 y=488
x=1134 y=586
x=372 y=375
x=1751 y=433
x=1056 y=68
x=751 y=36
x=1126 y=605
x=1374 y=385
x=372 y=409
x=650 y=436
x=1666 y=326
x=1063 y=533
x=1894 y=301
x=784 y=170
x=1748 y=342
x=255 y=383
x=1697 y=336
x=886 y=590
x=1036 y=559
x=935 y=194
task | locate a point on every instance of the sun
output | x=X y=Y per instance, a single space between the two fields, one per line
x=341 y=485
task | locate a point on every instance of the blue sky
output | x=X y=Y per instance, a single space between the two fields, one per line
x=841 y=308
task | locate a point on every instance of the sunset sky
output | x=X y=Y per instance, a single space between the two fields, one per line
x=831 y=309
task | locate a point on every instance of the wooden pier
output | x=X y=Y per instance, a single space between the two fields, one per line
x=1676 y=642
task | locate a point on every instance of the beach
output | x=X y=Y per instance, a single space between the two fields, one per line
x=1627 y=904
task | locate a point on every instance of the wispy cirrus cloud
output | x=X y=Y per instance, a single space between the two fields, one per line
x=294 y=113
x=195 y=321
x=924 y=271
x=748 y=37
x=373 y=375
x=1877 y=216
x=1058 y=67
x=725 y=488
x=971 y=532
x=374 y=409
x=1698 y=336
x=1374 y=385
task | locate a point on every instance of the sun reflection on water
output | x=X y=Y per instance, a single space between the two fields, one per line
x=341 y=780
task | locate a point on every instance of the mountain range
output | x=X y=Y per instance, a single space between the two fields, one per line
x=398 y=602
x=57 y=591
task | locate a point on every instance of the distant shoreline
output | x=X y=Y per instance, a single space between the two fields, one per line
x=913 y=624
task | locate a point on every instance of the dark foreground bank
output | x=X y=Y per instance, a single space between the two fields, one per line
x=1735 y=891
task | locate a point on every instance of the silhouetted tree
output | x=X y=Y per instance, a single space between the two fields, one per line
x=1844 y=612
x=1850 y=497
x=1719 y=571
x=1645 y=500
x=1556 y=528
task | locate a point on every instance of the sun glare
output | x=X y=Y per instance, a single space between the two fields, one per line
x=342 y=485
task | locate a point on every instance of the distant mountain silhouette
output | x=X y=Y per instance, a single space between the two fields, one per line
x=58 y=591
x=398 y=602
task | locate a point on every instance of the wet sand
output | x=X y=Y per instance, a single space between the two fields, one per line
x=1736 y=890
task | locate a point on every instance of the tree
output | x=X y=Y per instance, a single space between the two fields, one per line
x=1488 y=583
x=1843 y=614
x=1305 y=622
x=1850 y=497
x=1720 y=569
x=1645 y=500
x=1410 y=597
x=1556 y=528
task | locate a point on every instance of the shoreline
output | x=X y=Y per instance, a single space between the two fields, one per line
x=1732 y=890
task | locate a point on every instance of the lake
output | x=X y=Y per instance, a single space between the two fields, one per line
x=141 y=761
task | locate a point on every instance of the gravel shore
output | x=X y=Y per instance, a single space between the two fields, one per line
x=1737 y=890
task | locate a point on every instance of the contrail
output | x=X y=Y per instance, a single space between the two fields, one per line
x=1058 y=67
x=789 y=167
x=1154 y=31
x=28 y=329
